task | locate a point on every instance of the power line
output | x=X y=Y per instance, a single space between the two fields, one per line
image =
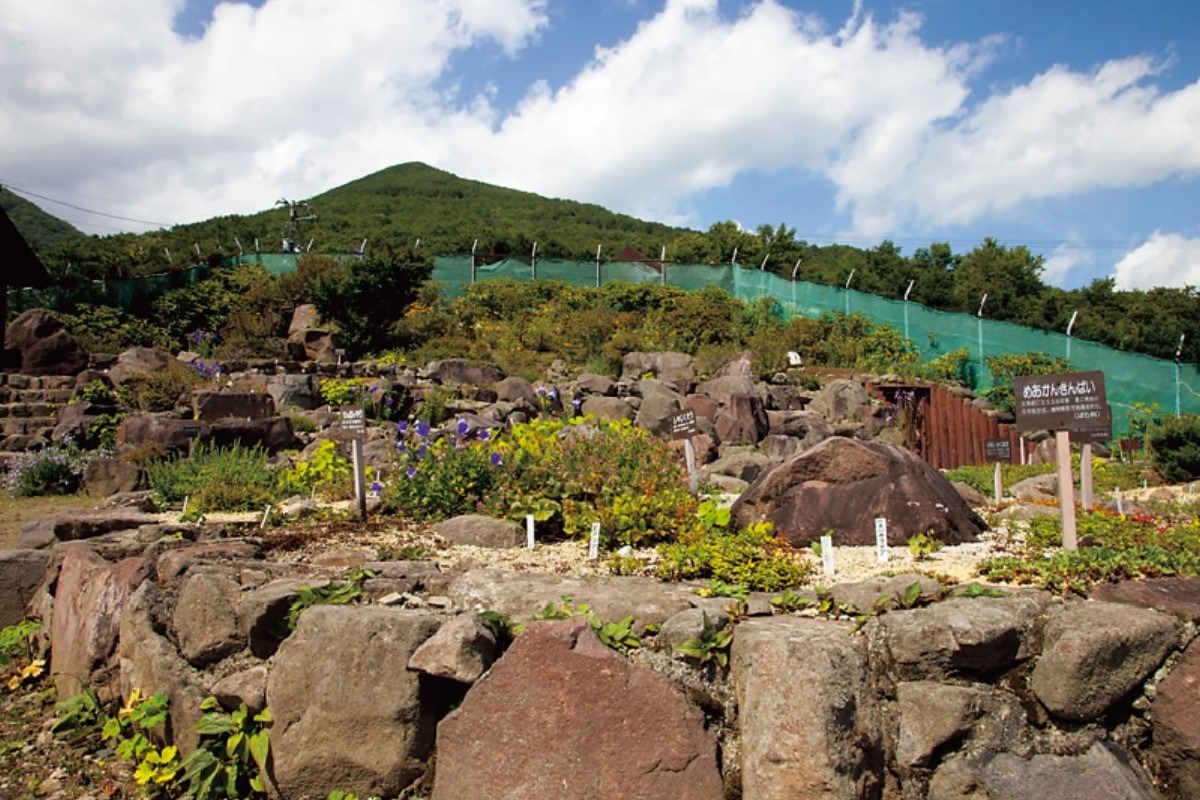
x=22 y=191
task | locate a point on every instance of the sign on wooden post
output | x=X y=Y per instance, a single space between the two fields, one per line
x=594 y=542
x=881 y=542
x=683 y=426
x=354 y=421
x=1062 y=403
x=998 y=451
x=827 y=555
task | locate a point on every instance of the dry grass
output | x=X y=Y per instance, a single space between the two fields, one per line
x=16 y=511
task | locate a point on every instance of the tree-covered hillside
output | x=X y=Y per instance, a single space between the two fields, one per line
x=43 y=231
x=401 y=204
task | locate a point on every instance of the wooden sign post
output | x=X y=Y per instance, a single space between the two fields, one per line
x=354 y=420
x=998 y=451
x=881 y=542
x=1085 y=437
x=1062 y=403
x=683 y=426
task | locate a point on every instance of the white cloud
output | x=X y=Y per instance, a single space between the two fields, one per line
x=1165 y=259
x=1067 y=260
x=297 y=96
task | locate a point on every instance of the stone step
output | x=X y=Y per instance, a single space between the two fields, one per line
x=27 y=410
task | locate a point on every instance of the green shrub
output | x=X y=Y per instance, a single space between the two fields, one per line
x=159 y=390
x=751 y=557
x=216 y=478
x=325 y=471
x=951 y=367
x=55 y=469
x=1007 y=367
x=572 y=473
x=1175 y=448
x=439 y=478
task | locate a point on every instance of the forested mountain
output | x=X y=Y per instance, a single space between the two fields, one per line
x=413 y=201
x=43 y=231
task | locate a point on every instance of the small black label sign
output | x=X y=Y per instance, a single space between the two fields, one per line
x=683 y=424
x=998 y=450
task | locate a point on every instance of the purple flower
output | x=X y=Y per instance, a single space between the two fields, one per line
x=577 y=403
x=389 y=400
x=421 y=450
x=372 y=389
x=463 y=427
x=483 y=434
x=402 y=427
x=496 y=460
x=553 y=393
x=423 y=429
x=376 y=487
x=541 y=390
x=400 y=446
x=411 y=471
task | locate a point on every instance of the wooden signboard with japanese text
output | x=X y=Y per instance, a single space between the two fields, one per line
x=1073 y=401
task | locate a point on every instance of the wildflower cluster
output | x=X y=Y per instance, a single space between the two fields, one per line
x=55 y=469
x=441 y=473
x=380 y=399
x=205 y=369
x=204 y=342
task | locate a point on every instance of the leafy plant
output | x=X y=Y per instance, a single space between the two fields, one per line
x=711 y=646
x=231 y=761
x=618 y=635
x=78 y=717
x=159 y=390
x=216 y=478
x=130 y=732
x=719 y=588
x=17 y=656
x=1005 y=368
x=751 y=557
x=441 y=477
x=54 y=469
x=324 y=471
x=923 y=545
x=1175 y=448
x=976 y=589
x=335 y=594
x=788 y=601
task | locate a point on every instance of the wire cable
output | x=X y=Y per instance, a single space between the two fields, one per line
x=22 y=191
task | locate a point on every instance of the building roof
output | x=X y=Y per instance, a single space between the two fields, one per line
x=19 y=265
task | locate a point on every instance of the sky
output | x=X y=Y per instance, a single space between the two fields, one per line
x=1071 y=127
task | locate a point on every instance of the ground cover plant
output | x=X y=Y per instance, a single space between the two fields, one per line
x=1112 y=547
x=213 y=478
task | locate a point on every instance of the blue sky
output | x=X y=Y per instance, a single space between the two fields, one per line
x=1068 y=126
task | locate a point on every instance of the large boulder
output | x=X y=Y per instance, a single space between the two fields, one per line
x=460 y=370
x=210 y=405
x=743 y=420
x=45 y=345
x=844 y=485
x=338 y=724
x=842 y=400
x=301 y=392
x=1104 y=772
x=1175 y=712
x=563 y=716
x=139 y=361
x=1096 y=653
x=21 y=572
x=71 y=526
x=676 y=369
x=807 y=713
x=481 y=531
x=520 y=596
x=89 y=599
x=308 y=338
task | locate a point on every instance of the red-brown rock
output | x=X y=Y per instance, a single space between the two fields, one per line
x=843 y=485
x=1175 y=712
x=562 y=717
x=46 y=346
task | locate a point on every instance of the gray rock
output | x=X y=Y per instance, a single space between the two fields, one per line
x=459 y=370
x=806 y=711
x=337 y=724
x=613 y=408
x=744 y=465
x=139 y=361
x=211 y=406
x=106 y=476
x=71 y=526
x=1104 y=772
x=657 y=409
x=461 y=650
x=481 y=531
x=248 y=687
x=21 y=573
x=1096 y=653
x=590 y=383
x=520 y=596
x=674 y=368
x=932 y=715
x=45 y=345
x=150 y=663
x=865 y=595
x=688 y=624
x=301 y=392
x=842 y=400
x=206 y=624
x=1038 y=488
x=514 y=389
x=977 y=637
x=263 y=612
x=562 y=716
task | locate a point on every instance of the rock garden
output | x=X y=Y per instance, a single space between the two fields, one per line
x=537 y=605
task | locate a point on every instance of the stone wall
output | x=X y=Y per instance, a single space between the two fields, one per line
x=413 y=693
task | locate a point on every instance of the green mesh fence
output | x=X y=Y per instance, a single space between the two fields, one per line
x=1130 y=378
